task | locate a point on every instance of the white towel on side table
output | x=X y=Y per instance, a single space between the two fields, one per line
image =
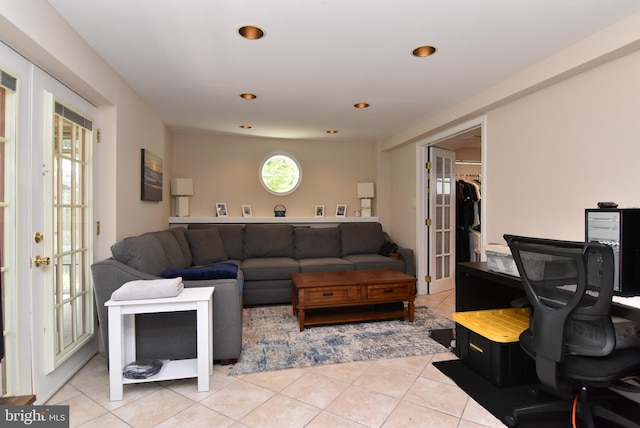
x=149 y=289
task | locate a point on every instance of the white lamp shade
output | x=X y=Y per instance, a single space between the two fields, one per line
x=365 y=190
x=181 y=187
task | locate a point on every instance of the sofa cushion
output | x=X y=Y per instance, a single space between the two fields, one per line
x=325 y=264
x=233 y=239
x=214 y=271
x=268 y=240
x=317 y=242
x=206 y=246
x=375 y=261
x=171 y=248
x=180 y=234
x=144 y=253
x=361 y=238
x=268 y=268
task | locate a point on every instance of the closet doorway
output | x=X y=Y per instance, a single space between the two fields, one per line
x=464 y=223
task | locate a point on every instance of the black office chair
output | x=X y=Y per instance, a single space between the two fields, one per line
x=571 y=335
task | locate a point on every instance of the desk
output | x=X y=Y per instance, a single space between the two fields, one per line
x=122 y=340
x=478 y=288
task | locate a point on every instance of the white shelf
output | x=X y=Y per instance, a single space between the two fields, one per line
x=282 y=220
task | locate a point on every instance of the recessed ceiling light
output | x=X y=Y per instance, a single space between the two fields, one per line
x=248 y=96
x=332 y=131
x=250 y=32
x=423 y=51
x=245 y=126
x=361 y=105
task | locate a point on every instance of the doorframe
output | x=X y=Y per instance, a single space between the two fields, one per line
x=422 y=155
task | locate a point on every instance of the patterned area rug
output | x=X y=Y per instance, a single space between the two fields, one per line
x=272 y=340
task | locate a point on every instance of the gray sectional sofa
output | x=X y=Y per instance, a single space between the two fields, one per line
x=265 y=255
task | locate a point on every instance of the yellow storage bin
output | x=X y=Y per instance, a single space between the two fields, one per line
x=488 y=341
x=498 y=325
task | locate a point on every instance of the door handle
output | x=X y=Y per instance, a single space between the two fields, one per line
x=42 y=261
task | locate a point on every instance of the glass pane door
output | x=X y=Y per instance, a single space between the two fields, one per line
x=71 y=296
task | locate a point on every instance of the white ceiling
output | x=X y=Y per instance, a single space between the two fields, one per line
x=320 y=57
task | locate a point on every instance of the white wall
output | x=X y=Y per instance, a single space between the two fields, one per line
x=225 y=169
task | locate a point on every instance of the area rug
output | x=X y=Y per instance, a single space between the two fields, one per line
x=272 y=340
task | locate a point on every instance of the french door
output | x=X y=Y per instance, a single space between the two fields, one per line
x=61 y=233
x=47 y=294
x=441 y=224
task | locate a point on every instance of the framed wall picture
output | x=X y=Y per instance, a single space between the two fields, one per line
x=221 y=209
x=319 y=210
x=341 y=210
x=246 y=211
x=151 y=177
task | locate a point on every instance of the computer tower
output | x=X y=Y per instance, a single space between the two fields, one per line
x=619 y=228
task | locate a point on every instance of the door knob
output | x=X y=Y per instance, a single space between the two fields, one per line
x=42 y=261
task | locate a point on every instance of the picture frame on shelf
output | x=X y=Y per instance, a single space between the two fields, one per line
x=221 y=209
x=246 y=211
x=319 y=210
x=341 y=210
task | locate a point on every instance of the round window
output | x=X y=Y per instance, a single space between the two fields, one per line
x=280 y=174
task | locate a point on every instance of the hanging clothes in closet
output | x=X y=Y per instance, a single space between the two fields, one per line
x=468 y=219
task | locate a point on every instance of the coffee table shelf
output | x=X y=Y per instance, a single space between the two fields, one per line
x=351 y=314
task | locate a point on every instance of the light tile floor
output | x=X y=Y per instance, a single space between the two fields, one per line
x=402 y=392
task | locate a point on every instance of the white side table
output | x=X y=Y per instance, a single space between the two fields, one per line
x=122 y=338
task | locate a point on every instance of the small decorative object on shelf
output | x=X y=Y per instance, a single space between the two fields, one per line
x=341 y=210
x=319 y=210
x=280 y=210
x=246 y=211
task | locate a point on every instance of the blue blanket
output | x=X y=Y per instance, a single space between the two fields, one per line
x=214 y=271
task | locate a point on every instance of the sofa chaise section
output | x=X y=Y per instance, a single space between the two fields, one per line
x=169 y=335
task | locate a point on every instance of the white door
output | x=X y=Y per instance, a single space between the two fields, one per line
x=441 y=222
x=16 y=299
x=59 y=232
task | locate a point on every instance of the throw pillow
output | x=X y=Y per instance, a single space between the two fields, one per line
x=388 y=248
x=206 y=246
x=214 y=271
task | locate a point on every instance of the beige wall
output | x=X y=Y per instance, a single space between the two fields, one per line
x=403 y=196
x=225 y=169
x=554 y=153
x=127 y=124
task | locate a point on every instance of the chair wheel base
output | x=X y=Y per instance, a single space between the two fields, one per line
x=511 y=421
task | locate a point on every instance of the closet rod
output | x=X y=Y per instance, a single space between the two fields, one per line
x=468 y=162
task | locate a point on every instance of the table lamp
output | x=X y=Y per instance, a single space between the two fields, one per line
x=365 y=193
x=181 y=188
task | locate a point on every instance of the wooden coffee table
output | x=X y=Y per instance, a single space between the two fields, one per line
x=357 y=295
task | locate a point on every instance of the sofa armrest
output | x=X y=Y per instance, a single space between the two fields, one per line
x=409 y=262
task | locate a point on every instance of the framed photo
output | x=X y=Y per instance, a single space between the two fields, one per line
x=246 y=211
x=341 y=210
x=221 y=209
x=151 y=177
x=319 y=210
